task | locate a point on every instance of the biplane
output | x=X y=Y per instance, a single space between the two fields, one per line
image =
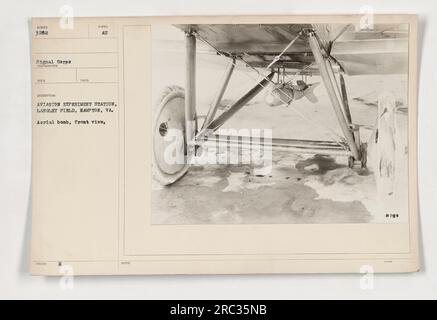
x=274 y=52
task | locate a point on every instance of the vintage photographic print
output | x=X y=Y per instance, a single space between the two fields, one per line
x=280 y=123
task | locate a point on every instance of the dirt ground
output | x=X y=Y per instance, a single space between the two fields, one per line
x=227 y=194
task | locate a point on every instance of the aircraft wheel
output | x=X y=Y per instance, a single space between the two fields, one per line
x=384 y=145
x=169 y=160
x=385 y=162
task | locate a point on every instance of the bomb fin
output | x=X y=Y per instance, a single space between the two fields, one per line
x=309 y=92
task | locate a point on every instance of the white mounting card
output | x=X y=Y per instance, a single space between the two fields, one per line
x=228 y=144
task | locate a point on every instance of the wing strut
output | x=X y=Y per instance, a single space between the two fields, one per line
x=326 y=74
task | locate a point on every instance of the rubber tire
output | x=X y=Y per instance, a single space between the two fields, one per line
x=167 y=95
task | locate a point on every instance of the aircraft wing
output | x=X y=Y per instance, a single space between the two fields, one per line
x=382 y=49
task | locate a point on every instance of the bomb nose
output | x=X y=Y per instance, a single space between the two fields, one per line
x=270 y=99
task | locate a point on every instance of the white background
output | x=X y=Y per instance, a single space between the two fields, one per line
x=15 y=163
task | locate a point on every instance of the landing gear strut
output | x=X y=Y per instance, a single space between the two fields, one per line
x=339 y=103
